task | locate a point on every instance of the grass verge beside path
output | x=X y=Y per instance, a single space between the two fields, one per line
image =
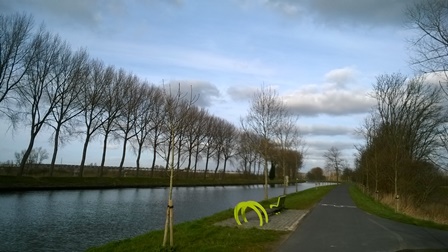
x=369 y=205
x=203 y=235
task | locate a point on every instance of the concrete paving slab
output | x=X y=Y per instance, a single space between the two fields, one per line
x=287 y=220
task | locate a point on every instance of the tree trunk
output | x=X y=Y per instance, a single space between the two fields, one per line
x=224 y=168
x=26 y=155
x=217 y=166
x=189 y=162
x=123 y=156
x=196 y=158
x=139 y=153
x=84 y=154
x=206 y=166
x=55 y=149
x=103 y=158
x=154 y=156
x=285 y=182
x=178 y=153
x=266 y=179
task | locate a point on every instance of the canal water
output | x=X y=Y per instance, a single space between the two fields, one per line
x=74 y=220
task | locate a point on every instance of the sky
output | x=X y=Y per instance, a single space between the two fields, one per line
x=321 y=56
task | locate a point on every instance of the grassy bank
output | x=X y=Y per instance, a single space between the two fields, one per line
x=203 y=235
x=36 y=183
x=368 y=204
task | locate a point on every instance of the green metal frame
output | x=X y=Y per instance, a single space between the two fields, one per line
x=281 y=199
x=242 y=206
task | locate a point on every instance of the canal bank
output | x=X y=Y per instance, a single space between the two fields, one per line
x=14 y=183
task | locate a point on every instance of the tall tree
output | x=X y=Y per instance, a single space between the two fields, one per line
x=177 y=105
x=315 y=174
x=193 y=131
x=39 y=96
x=334 y=160
x=16 y=55
x=429 y=43
x=112 y=107
x=246 y=151
x=74 y=71
x=264 y=117
x=157 y=120
x=143 y=125
x=200 y=137
x=229 y=147
x=288 y=137
x=429 y=20
x=93 y=98
x=130 y=99
x=210 y=146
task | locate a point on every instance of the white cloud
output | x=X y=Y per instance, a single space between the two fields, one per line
x=183 y=56
x=370 y=13
x=436 y=78
x=334 y=97
x=242 y=93
x=204 y=93
x=325 y=130
x=341 y=76
x=330 y=102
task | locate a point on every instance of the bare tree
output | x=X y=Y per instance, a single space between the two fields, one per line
x=334 y=160
x=177 y=105
x=112 y=109
x=37 y=156
x=193 y=131
x=74 y=71
x=288 y=137
x=246 y=152
x=93 y=97
x=210 y=143
x=143 y=125
x=229 y=147
x=200 y=137
x=428 y=20
x=157 y=120
x=16 y=55
x=39 y=96
x=219 y=140
x=264 y=117
x=368 y=154
x=430 y=44
x=131 y=97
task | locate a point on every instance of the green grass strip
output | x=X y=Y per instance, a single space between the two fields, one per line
x=369 y=205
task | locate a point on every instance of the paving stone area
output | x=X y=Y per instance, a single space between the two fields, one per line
x=287 y=220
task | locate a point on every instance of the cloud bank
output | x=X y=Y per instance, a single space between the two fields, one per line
x=370 y=13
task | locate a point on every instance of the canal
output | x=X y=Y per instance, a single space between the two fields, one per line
x=74 y=220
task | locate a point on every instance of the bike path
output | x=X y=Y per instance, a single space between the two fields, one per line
x=336 y=224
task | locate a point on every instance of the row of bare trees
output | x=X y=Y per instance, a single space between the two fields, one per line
x=46 y=86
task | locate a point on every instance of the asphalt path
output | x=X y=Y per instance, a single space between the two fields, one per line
x=336 y=224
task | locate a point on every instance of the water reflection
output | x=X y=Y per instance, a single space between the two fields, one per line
x=74 y=220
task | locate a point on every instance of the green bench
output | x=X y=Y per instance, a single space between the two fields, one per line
x=278 y=207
